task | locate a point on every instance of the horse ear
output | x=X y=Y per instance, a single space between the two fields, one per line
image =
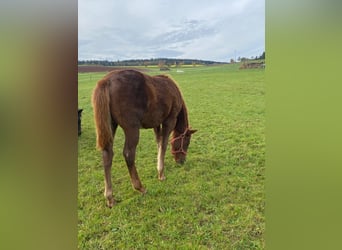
x=192 y=131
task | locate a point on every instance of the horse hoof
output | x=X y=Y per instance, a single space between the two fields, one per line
x=143 y=190
x=111 y=203
x=162 y=178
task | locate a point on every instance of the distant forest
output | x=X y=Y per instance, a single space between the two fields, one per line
x=148 y=62
x=162 y=62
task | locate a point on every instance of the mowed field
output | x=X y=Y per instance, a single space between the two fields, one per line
x=216 y=200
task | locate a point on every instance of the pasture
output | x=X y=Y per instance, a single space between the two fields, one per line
x=216 y=200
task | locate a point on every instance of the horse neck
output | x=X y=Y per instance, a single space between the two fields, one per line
x=182 y=122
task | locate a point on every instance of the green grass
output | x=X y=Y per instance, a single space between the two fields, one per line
x=216 y=200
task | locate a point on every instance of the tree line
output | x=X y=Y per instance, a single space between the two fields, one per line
x=163 y=62
x=148 y=62
x=245 y=59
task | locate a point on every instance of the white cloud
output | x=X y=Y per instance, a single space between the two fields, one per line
x=201 y=29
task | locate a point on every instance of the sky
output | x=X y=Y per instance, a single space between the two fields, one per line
x=216 y=30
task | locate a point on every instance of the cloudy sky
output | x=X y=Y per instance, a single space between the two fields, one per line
x=215 y=30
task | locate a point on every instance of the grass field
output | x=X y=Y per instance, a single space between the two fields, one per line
x=216 y=200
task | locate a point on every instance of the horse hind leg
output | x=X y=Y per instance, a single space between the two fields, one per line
x=107 y=156
x=131 y=142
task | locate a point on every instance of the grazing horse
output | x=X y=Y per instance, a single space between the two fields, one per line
x=134 y=100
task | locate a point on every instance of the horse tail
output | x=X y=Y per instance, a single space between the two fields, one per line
x=102 y=116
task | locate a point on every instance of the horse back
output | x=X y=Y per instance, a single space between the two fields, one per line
x=142 y=101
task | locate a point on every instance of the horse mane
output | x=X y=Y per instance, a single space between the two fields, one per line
x=182 y=122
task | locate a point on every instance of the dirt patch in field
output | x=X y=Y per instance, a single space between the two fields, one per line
x=100 y=68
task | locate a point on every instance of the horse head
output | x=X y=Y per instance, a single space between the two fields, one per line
x=180 y=144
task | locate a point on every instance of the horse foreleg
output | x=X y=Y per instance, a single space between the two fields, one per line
x=162 y=146
x=161 y=155
x=131 y=142
x=160 y=166
x=107 y=156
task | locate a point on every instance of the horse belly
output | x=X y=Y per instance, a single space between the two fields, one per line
x=152 y=119
x=150 y=123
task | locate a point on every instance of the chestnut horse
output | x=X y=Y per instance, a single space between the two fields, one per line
x=134 y=100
